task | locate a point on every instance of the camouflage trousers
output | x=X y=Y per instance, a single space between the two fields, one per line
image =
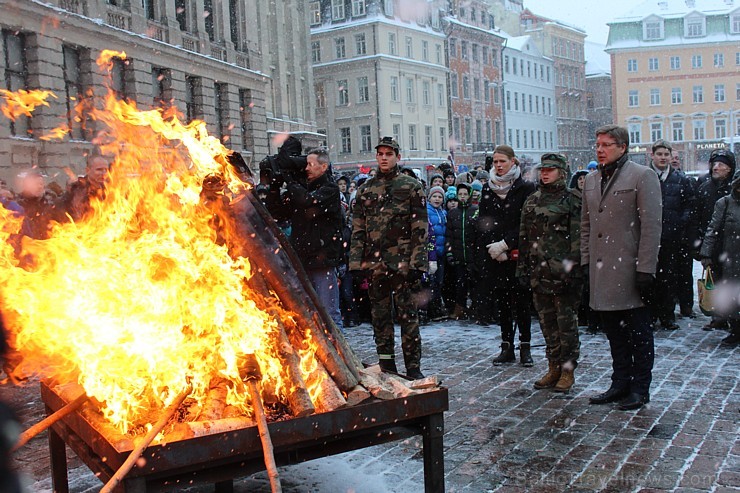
x=558 y=314
x=384 y=290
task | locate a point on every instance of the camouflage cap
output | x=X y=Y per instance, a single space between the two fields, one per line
x=553 y=160
x=389 y=142
x=662 y=143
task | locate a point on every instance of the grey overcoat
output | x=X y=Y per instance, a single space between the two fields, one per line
x=620 y=234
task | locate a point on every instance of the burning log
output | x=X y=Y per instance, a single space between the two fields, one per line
x=250 y=373
x=193 y=429
x=357 y=395
x=144 y=443
x=215 y=403
x=44 y=424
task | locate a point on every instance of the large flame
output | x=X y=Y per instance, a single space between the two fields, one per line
x=138 y=296
x=23 y=102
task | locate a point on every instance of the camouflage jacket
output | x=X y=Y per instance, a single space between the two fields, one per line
x=549 y=238
x=389 y=227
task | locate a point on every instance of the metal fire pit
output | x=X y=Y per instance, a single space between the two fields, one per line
x=221 y=457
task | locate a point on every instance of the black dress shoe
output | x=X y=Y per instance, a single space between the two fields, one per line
x=611 y=395
x=634 y=401
x=670 y=326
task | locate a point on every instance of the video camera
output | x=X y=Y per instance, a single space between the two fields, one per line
x=287 y=165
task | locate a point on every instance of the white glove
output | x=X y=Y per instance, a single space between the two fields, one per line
x=432 y=267
x=497 y=248
x=502 y=258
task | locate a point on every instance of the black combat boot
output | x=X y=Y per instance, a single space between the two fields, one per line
x=525 y=354
x=414 y=373
x=388 y=365
x=506 y=355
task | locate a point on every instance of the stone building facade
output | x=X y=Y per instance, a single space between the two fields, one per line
x=214 y=61
x=598 y=91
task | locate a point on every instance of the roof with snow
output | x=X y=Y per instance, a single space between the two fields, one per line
x=669 y=9
x=598 y=62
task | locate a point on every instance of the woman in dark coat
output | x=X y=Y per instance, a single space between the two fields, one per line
x=496 y=250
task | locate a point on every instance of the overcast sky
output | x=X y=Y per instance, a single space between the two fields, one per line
x=591 y=15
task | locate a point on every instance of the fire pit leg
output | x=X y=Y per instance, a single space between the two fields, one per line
x=433 y=447
x=58 y=456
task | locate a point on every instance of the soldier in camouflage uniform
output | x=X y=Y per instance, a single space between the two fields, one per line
x=549 y=255
x=389 y=240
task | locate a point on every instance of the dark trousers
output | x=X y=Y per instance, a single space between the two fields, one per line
x=685 y=292
x=347 y=299
x=513 y=303
x=459 y=277
x=630 y=334
x=662 y=302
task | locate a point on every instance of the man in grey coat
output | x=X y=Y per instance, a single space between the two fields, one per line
x=620 y=237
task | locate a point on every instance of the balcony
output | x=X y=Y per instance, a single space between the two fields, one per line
x=118 y=18
x=157 y=31
x=190 y=43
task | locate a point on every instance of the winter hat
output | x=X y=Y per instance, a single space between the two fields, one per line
x=466 y=186
x=482 y=175
x=554 y=160
x=434 y=190
x=464 y=178
x=477 y=186
x=574 y=179
x=592 y=165
x=435 y=175
x=723 y=156
x=451 y=193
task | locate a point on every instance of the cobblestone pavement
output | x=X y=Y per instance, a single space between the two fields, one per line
x=502 y=435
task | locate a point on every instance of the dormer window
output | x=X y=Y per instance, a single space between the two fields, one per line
x=695 y=26
x=735 y=23
x=652 y=29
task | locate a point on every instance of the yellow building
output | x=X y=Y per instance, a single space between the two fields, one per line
x=675 y=76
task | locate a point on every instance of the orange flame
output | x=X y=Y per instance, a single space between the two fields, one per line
x=23 y=102
x=105 y=60
x=137 y=296
x=57 y=133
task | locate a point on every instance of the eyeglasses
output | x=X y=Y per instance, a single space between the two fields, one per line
x=605 y=145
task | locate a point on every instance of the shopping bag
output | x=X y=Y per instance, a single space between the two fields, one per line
x=705 y=287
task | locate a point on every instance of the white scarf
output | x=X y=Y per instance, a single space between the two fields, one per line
x=662 y=175
x=502 y=184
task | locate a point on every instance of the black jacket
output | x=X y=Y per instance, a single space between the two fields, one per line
x=460 y=234
x=315 y=213
x=708 y=194
x=498 y=220
x=678 y=203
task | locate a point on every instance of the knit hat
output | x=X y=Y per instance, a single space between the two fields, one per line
x=723 y=156
x=464 y=178
x=435 y=175
x=592 y=165
x=482 y=175
x=451 y=193
x=477 y=186
x=434 y=190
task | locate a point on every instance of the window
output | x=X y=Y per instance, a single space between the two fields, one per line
x=428 y=139
x=320 y=92
x=484 y=55
x=439 y=53
x=425 y=51
x=677 y=131
x=656 y=131
x=737 y=58
x=441 y=95
x=409 y=47
x=537 y=104
x=652 y=30
x=675 y=63
x=358 y=8
x=676 y=96
x=719 y=60
x=698 y=93
x=345 y=140
x=315 y=51
x=632 y=65
x=148 y=8
x=397 y=133
x=496 y=98
x=514 y=65
x=412 y=137
x=363 y=90
x=388 y=7
x=494 y=58
x=635 y=130
x=245 y=118
x=525 y=139
x=633 y=99
x=735 y=23
x=506 y=63
x=339 y=49
x=488 y=137
x=737 y=92
x=476 y=88
x=118 y=77
x=478 y=131
x=453 y=86
x=456 y=128
x=529 y=69
x=443 y=138
x=208 y=19
x=392 y=43
x=719 y=93
x=193 y=97
x=720 y=128
x=73 y=88
x=314 y=13
x=466 y=87
x=181 y=14
x=516 y=101
x=694 y=27
x=700 y=129
x=464 y=50
x=696 y=61
x=409 y=90
x=394 y=88
x=337 y=10
x=530 y=104
x=426 y=93
x=518 y=141
x=654 y=97
x=653 y=64
x=342 y=92
x=468 y=131
x=16 y=74
x=508 y=100
x=486 y=91
x=453 y=48
x=539 y=139
x=360 y=45
x=549 y=113
x=162 y=86
x=366 y=140
x=475 y=52
x=221 y=107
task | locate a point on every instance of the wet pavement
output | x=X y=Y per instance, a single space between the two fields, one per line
x=502 y=435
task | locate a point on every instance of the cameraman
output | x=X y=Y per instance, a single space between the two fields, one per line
x=315 y=213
